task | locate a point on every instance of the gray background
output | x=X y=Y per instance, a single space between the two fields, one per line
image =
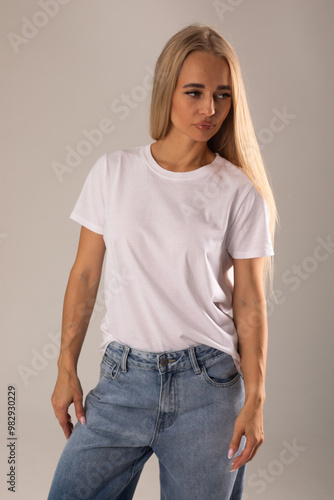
x=65 y=79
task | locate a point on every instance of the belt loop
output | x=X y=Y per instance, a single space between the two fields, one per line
x=124 y=358
x=193 y=360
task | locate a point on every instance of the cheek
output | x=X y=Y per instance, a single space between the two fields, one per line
x=225 y=110
x=180 y=111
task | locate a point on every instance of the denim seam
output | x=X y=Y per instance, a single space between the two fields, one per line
x=112 y=363
x=156 y=368
x=108 y=373
x=134 y=466
x=219 y=384
x=182 y=368
x=176 y=407
x=124 y=359
x=221 y=355
x=109 y=362
x=157 y=425
x=194 y=362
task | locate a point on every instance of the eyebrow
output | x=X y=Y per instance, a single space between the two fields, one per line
x=201 y=86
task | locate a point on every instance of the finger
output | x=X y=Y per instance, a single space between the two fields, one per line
x=65 y=422
x=246 y=455
x=235 y=442
x=241 y=459
x=67 y=428
x=255 y=451
x=79 y=411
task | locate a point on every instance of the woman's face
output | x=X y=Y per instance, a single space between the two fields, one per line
x=202 y=97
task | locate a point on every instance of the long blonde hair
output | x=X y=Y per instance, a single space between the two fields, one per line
x=236 y=140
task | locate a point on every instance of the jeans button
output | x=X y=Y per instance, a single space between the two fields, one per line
x=164 y=362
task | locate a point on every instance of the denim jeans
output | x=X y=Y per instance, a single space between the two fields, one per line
x=179 y=405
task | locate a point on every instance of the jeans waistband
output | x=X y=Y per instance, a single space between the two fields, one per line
x=190 y=357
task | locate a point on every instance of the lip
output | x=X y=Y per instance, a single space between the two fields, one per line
x=204 y=125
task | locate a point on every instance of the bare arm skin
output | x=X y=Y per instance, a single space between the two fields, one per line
x=250 y=317
x=79 y=302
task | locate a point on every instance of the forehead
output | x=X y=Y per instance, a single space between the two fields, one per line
x=201 y=67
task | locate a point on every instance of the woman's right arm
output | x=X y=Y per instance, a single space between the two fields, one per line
x=79 y=302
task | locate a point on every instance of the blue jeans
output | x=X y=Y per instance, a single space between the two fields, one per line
x=179 y=405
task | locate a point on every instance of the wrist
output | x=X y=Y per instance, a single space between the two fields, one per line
x=67 y=362
x=256 y=400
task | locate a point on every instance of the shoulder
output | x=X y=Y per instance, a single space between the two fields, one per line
x=236 y=174
x=125 y=156
x=107 y=164
x=234 y=178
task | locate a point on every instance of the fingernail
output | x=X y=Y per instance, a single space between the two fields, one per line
x=230 y=453
x=83 y=420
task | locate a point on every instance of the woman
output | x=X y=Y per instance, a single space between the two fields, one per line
x=180 y=376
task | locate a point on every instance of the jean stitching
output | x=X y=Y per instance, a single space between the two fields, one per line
x=219 y=384
x=112 y=365
x=124 y=359
x=109 y=362
x=154 y=367
x=134 y=466
x=176 y=407
x=157 y=422
x=116 y=353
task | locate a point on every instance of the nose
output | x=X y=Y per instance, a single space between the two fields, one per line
x=208 y=106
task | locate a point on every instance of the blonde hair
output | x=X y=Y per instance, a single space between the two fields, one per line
x=236 y=140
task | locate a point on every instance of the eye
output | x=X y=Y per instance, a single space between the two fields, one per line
x=223 y=96
x=193 y=93
x=196 y=94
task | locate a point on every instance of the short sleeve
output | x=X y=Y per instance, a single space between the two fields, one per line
x=89 y=210
x=249 y=235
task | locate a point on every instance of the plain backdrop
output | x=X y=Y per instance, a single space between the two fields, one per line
x=67 y=67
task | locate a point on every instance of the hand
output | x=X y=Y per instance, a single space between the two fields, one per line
x=248 y=423
x=67 y=391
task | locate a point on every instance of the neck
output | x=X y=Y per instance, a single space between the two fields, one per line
x=181 y=156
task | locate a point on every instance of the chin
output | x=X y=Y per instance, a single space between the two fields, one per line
x=203 y=137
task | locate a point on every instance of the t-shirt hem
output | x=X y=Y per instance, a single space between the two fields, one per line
x=108 y=338
x=84 y=222
x=247 y=255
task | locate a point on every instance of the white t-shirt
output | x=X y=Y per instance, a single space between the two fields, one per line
x=169 y=239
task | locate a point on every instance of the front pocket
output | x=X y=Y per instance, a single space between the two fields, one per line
x=220 y=371
x=109 y=368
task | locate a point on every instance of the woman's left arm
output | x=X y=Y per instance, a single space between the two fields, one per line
x=250 y=318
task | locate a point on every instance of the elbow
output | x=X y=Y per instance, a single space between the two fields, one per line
x=249 y=300
x=87 y=275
